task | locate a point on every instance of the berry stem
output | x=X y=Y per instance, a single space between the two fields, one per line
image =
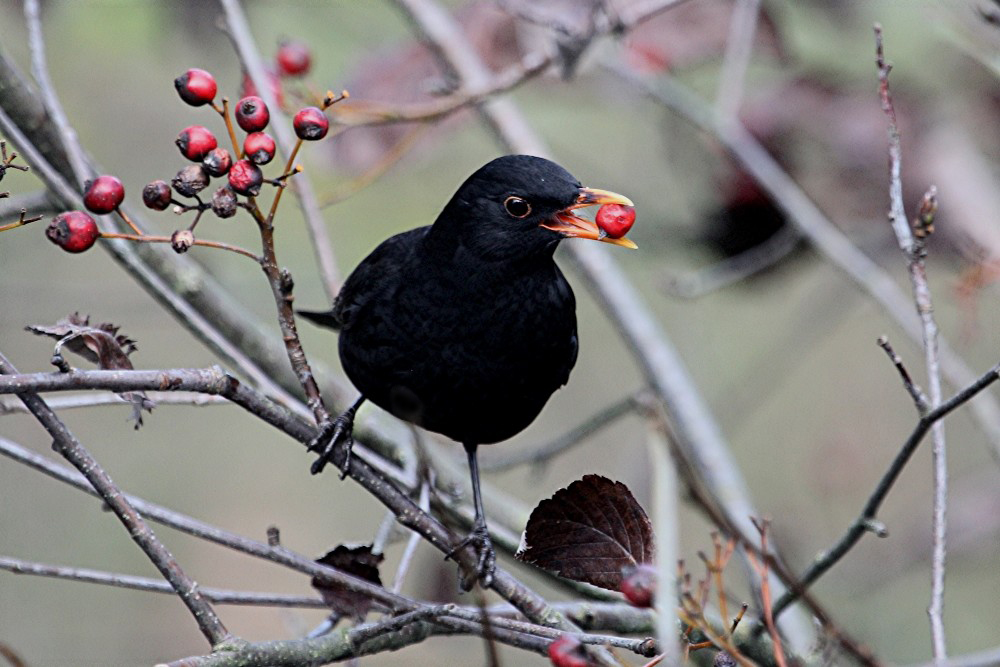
x=20 y=222
x=224 y=112
x=289 y=170
x=128 y=221
x=146 y=238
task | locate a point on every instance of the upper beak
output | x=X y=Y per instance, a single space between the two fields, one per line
x=568 y=224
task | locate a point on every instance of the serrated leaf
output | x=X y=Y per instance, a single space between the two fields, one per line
x=588 y=532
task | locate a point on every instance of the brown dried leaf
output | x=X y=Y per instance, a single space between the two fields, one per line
x=100 y=344
x=588 y=532
x=356 y=560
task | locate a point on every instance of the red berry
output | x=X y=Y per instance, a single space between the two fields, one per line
x=195 y=142
x=294 y=58
x=196 y=87
x=248 y=89
x=246 y=178
x=217 y=162
x=103 y=194
x=311 y=124
x=639 y=583
x=190 y=180
x=73 y=231
x=156 y=195
x=567 y=651
x=615 y=219
x=252 y=114
x=259 y=147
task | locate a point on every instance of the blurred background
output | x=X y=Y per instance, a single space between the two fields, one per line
x=786 y=358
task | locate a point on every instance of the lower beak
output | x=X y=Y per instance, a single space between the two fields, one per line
x=570 y=225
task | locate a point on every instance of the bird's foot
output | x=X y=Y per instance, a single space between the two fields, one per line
x=332 y=432
x=479 y=538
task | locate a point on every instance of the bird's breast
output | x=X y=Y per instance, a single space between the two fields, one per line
x=474 y=356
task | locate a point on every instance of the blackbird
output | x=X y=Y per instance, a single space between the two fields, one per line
x=466 y=327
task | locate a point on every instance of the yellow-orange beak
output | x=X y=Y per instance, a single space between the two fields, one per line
x=568 y=224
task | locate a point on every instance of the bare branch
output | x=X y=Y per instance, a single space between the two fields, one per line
x=68 y=446
x=866 y=520
x=118 y=580
x=913 y=249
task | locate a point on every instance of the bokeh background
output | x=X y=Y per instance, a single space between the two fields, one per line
x=786 y=359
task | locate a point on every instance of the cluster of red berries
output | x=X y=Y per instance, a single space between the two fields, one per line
x=76 y=231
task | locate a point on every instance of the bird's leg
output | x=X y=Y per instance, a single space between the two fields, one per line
x=480 y=535
x=341 y=428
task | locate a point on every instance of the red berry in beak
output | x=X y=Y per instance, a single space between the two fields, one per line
x=156 y=195
x=196 y=87
x=252 y=114
x=294 y=58
x=259 y=148
x=73 y=231
x=195 y=142
x=246 y=178
x=104 y=194
x=311 y=124
x=615 y=219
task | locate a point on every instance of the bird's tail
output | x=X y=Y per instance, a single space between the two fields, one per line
x=324 y=318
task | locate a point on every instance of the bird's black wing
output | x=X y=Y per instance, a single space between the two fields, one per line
x=363 y=284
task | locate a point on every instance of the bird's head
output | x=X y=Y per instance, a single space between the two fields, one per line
x=521 y=205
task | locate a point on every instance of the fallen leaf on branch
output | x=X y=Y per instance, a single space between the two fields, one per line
x=588 y=532
x=356 y=560
x=100 y=344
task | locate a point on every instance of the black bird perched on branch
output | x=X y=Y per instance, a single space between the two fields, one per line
x=467 y=327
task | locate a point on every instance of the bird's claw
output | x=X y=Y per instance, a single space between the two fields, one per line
x=479 y=538
x=341 y=428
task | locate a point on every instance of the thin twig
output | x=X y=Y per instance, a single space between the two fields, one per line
x=548 y=450
x=913 y=249
x=735 y=269
x=119 y=580
x=919 y=399
x=349 y=188
x=779 y=652
x=68 y=446
x=406 y=559
x=361 y=113
x=149 y=238
x=866 y=520
x=11 y=405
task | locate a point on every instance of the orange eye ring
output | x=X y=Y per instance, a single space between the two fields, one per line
x=517 y=207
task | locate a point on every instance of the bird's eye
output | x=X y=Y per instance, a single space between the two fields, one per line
x=517 y=207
